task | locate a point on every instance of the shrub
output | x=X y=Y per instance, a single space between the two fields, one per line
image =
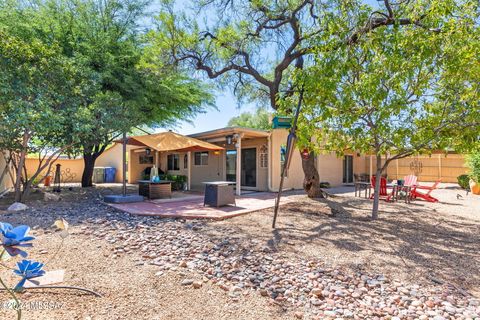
x=473 y=163
x=178 y=181
x=463 y=181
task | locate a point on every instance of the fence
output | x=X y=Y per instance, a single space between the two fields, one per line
x=438 y=166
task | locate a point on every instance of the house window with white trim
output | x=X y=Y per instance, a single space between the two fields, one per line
x=201 y=158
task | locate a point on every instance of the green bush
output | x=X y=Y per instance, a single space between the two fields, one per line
x=473 y=163
x=463 y=181
x=178 y=181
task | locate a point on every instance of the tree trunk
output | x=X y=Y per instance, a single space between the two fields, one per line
x=21 y=164
x=89 y=164
x=376 y=192
x=311 y=182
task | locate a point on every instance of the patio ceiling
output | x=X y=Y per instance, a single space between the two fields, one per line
x=171 y=141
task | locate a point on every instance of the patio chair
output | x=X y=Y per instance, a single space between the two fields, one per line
x=410 y=180
x=425 y=195
x=383 y=192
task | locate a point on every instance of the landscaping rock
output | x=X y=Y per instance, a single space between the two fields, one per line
x=187 y=282
x=47 y=196
x=17 y=206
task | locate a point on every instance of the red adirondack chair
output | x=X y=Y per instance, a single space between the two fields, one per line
x=384 y=194
x=425 y=195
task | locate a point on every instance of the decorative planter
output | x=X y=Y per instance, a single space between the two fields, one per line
x=474 y=187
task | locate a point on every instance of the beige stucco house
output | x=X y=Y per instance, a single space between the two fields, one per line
x=256 y=156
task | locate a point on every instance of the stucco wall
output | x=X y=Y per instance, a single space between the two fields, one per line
x=261 y=173
x=134 y=167
x=214 y=171
x=330 y=168
x=72 y=169
x=294 y=180
x=112 y=157
x=6 y=182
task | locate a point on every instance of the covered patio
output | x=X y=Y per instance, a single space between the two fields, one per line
x=151 y=150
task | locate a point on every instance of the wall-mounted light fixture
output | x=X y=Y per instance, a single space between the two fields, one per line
x=229 y=139
x=148 y=151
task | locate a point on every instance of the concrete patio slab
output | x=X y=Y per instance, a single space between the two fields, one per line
x=192 y=207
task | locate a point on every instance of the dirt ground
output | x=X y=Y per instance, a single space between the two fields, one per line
x=418 y=242
x=429 y=244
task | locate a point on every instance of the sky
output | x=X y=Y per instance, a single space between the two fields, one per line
x=226 y=105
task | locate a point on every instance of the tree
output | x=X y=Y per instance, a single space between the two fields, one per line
x=400 y=91
x=252 y=45
x=122 y=84
x=32 y=104
x=258 y=120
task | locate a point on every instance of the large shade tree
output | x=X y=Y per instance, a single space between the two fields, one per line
x=399 y=91
x=122 y=85
x=252 y=46
x=34 y=86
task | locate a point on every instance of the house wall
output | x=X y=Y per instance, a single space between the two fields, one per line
x=330 y=168
x=112 y=157
x=216 y=168
x=213 y=171
x=135 y=168
x=262 y=173
x=294 y=180
x=329 y=165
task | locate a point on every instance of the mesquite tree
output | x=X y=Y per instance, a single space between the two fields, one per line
x=400 y=91
x=121 y=83
x=252 y=45
x=34 y=83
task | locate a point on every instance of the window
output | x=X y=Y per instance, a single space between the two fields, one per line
x=263 y=160
x=264 y=157
x=201 y=158
x=173 y=162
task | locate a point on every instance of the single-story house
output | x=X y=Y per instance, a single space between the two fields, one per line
x=256 y=156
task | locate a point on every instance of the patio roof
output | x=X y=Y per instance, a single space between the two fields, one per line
x=222 y=132
x=171 y=141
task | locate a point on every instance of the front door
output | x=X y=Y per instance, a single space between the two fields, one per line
x=249 y=167
x=348 y=169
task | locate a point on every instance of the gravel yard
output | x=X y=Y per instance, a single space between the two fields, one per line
x=326 y=260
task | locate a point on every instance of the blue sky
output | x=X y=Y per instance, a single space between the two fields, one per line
x=226 y=103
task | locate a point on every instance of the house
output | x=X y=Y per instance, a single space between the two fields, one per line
x=256 y=156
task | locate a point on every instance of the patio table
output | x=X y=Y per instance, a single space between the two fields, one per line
x=397 y=189
x=155 y=190
x=219 y=193
x=362 y=185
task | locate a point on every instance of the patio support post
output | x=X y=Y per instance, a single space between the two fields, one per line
x=189 y=170
x=238 y=172
x=124 y=164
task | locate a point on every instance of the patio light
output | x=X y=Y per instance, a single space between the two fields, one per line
x=148 y=151
x=229 y=139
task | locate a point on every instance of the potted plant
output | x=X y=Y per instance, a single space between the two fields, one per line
x=473 y=162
